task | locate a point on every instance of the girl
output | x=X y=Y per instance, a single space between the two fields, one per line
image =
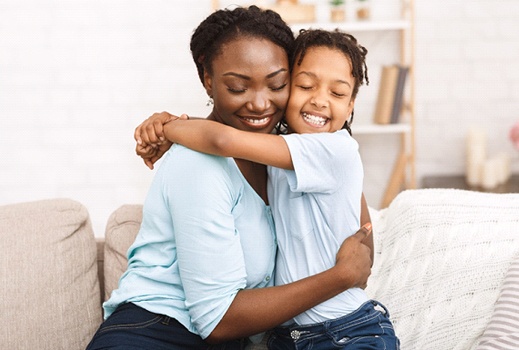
x=315 y=187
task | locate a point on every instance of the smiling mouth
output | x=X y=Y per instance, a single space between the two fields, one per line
x=314 y=120
x=257 y=122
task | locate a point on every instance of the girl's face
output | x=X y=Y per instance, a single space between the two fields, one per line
x=249 y=85
x=321 y=92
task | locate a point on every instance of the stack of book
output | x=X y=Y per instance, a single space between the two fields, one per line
x=391 y=94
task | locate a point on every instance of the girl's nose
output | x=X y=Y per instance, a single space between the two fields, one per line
x=319 y=100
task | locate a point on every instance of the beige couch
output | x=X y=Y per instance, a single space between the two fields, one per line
x=446 y=266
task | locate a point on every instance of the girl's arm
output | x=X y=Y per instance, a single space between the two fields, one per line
x=216 y=138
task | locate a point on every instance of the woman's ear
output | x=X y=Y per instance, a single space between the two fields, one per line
x=208 y=84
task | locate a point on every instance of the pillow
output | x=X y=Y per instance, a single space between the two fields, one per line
x=502 y=333
x=121 y=230
x=440 y=258
x=49 y=291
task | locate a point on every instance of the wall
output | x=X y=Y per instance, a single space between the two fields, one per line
x=76 y=77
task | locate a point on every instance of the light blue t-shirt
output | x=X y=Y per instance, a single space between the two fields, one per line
x=316 y=207
x=205 y=235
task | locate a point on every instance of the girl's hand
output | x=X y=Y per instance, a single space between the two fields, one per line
x=150 y=154
x=353 y=259
x=151 y=142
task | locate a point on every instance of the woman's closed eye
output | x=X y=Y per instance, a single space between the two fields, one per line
x=236 y=90
x=279 y=88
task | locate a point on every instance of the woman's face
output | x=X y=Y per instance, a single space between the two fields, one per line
x=249 y=85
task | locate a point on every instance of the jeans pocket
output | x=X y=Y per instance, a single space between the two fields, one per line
x=129 y=317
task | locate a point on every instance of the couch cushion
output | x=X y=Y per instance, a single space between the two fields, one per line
x=121 y=230
x=440 y=260
x=49 y=291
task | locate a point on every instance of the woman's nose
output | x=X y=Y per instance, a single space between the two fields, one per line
x=259 y=102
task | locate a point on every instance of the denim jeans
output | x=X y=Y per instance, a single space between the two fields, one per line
x=131 y=327
x=366 y=328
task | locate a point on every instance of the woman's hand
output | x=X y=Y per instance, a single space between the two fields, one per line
x=353 y=259
x=151 y=142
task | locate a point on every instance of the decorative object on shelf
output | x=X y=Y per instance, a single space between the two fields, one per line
x=390 y=94
x=337 y=11
x=476 y=153
x=293 y=12
x=480 y=169
x=514 y=135
x=363 y=10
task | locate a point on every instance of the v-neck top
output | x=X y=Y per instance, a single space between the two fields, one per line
x=205 y=235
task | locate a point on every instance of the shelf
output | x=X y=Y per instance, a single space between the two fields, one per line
x=368 y=129
x=364 y=26
x=458 y=182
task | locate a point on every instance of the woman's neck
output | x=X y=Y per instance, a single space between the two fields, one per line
x=256 y=176
x=254 y=173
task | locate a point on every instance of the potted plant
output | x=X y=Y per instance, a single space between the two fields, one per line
x=363 y=9
x=337 y=12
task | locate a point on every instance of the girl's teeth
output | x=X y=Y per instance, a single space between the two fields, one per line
x=314 y=119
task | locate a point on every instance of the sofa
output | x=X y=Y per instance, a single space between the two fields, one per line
x=446 y=266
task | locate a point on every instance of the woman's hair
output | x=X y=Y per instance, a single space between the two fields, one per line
x=336 y=40
x=226 y=25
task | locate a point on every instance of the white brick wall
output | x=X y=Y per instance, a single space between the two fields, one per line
x=76 y=77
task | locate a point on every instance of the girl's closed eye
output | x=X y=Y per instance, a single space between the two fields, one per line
x=305 y=87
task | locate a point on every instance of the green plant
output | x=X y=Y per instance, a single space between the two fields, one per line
x=337 y=2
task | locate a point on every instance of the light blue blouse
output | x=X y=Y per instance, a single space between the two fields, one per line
x=205 y=235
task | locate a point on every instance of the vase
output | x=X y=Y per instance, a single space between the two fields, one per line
x=337 y=14
x=363 y=10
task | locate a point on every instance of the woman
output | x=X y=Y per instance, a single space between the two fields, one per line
x=206 y=243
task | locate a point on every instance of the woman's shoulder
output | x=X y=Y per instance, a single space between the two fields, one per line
x=183 y=157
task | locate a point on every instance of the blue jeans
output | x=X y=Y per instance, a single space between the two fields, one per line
x=365 y=328
x=131 y=327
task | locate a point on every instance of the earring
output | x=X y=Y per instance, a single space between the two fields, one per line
x=210 y=102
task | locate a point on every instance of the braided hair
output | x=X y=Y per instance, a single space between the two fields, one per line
x=226 y=25
x=337 y=40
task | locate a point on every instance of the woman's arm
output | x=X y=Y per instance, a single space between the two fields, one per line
x=200 y=196
x=257 y=310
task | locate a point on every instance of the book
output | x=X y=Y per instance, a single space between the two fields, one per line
x=386 y=94
x=399 y=95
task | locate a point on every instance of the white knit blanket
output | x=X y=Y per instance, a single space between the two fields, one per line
x=440 y=260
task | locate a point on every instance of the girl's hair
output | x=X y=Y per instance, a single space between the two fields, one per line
x=336 y=40
x=226 y=25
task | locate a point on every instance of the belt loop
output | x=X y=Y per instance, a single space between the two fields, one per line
x=386 y=311
x=165 y=320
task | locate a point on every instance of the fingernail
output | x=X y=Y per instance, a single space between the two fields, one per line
x=367 y=226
